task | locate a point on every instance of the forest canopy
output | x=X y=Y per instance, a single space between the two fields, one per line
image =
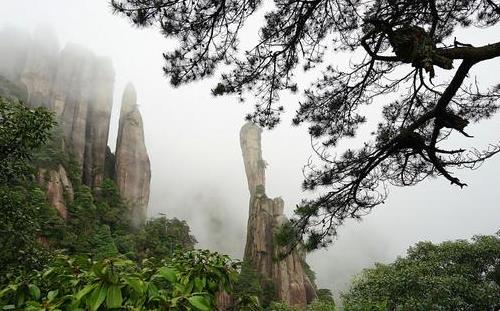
x=398 y=48
x=452 y=275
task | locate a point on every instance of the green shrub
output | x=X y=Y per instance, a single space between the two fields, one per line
x=453 y=275
x=189 y=281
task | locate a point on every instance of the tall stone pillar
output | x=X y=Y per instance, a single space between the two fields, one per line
x=288 y=276
x=133 y=172
x=98 y=119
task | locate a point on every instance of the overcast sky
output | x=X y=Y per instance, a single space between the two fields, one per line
x=197 y=168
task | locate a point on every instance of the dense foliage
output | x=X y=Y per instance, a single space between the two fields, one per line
x=23 y=207
x=22 y=130
x=253 y=284
x=395 y=47
x=24 y=213
x=161 y=237
x=95 y=259
x=188 y=281
x=458 y=275
x=316 y=305
x=98 y=224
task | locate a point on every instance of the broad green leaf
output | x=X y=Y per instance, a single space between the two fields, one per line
x=137 y=284
x=52 y=294
x=97 y=297
x=114 y=298
x=47 y=272
x=33 y=306
x=200 y=303
x=173 y=301
x=84 y=291
x=200 y=284
x=168 y=273
x=9 y=307
x=34 y=291
x=6 y=290
x=152 y=290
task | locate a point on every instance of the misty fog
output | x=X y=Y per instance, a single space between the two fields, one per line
x=197 y=168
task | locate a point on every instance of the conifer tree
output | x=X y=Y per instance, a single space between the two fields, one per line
x=397 y=47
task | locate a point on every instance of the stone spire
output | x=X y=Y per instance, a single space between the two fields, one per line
x=71 y=96
x=288 y=276
x=78 y=87
x=255 y=166
x=133 y=172
x=98 y=119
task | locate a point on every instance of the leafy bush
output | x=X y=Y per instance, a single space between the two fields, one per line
x=320 y=305
x=251 y=283
x=160 y=237
x=453 y=275
x=189 y=281
x=22 y=130
x=279 y=306
x=20 y=209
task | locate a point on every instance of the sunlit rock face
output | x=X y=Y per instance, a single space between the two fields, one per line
x=132 y=168
x=290 y=281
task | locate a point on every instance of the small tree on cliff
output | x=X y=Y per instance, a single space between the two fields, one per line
x=399 y=47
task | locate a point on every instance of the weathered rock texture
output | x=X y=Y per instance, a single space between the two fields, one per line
x=223 y=301
x=78 y=86
x=58 y=188
x=82 y=99
x=98 y=119
x=291 y=283
x=71 y=96
x=132 y=168
x=74 y=83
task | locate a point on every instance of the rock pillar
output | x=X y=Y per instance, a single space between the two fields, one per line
x=292 y=285
x=132 y=166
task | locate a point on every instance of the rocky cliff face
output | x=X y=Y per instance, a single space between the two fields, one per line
x=59 y=188
x=291 y=283
x=98 y=120
x=82 y=98
x=132 y=169
x=78 y=86
x=71 y=97
x=74 y=83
